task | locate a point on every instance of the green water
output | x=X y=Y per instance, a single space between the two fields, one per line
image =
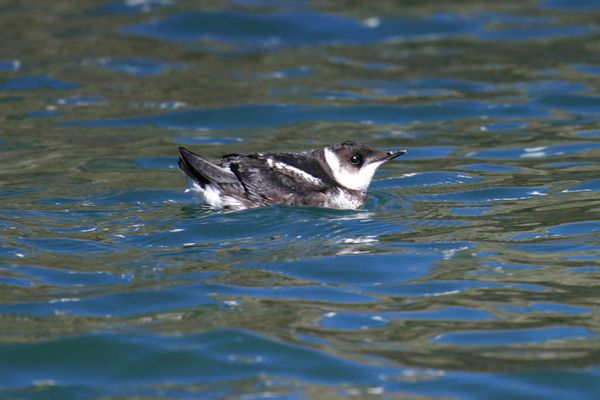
x=471 y=271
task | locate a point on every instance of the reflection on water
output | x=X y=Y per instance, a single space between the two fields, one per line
x=471 y=272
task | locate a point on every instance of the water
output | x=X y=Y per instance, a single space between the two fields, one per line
x=470 y=273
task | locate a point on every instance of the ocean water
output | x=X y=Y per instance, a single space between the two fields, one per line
x=472 y=271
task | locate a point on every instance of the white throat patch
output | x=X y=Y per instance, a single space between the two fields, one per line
x=349 y=177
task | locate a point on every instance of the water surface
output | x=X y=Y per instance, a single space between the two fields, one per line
x=471 y=272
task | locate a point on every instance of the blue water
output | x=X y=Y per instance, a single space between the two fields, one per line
x=470 y=272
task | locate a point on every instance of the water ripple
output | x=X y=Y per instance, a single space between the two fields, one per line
x=470 y=272
x=515 y=336
x=273 y=115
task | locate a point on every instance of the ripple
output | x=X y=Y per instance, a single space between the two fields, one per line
x=287 y=73
x=545 y=86
x=192 y=358
x=268 y=30
x=253 y=31
x=541 y=29
x=511 y=266
x=10 y=65
x=478 y=248
x=12 y=281
x=278 y=225
x=490 y=168
x=566 y=164
x=46 y=112
x=138 y=196
x=587 y=69
x=160 y=162
x=486 y=195
x=592 y=133
x=470 y=211
x=429 y=152
x=367 y=269
x=133 y=66
x=580 y=104
x=592 y=185
x=208 y=140
x=67 y=277
x=132 y=6
x=547 y=308
x=561 y=248
x=575 y=228
x=509 y=126
x=354 y=321
x=108 y=164
x=444 y=288
x=36 y=83
x=125 y=303
x=304 y=293
x=79 y=247
x=503 y=337
x=431 y=87
x=571 y=5
x=253 y=116
x=431 y=178
x=536 y=152
x=81 y=101
x=567 y=229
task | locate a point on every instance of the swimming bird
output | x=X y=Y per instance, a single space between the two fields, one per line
x=335 y=176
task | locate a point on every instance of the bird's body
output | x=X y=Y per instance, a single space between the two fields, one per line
x=334 y=176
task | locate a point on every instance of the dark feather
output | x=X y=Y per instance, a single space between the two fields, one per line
x=204 y=171
x=268 y=184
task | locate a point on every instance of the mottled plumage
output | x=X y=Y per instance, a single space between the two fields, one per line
x=334 y=176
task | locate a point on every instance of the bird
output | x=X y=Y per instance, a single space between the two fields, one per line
x=334 y=176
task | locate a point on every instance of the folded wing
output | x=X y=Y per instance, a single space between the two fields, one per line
x=266 y=177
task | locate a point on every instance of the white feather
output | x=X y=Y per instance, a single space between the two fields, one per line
x=214 y=197
x=348 y=176
x=344 y=200
x=293 y=170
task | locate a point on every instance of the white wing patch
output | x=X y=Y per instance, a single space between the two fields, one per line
x=286 y=168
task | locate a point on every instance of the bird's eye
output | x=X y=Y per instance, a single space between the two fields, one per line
x=356 y=159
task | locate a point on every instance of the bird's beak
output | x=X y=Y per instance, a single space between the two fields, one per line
x=383 y=156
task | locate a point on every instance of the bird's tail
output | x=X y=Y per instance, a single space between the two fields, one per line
x=202 y=170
